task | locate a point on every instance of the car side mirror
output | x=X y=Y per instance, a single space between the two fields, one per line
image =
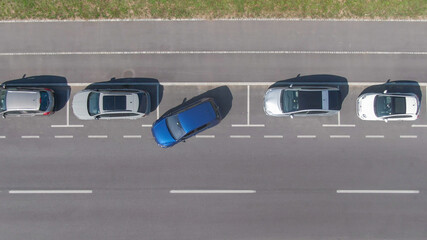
x=292 y=116
x=385 y=91
x=3 y=86
x=97 y=117
x=291 y=86
x=386 y=120
x=184 y=100
x=3 y=115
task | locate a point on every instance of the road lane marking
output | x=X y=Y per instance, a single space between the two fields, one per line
x=247 y=125
x=338 y=125
x=408 y=136
x=380 y=191
x=339 y=136
x=97 y=136
x=30 y=137
x=273 y=136
x=67 y=125
x=48 y=191
x=419 y=126
x=132 y=136
x=218 y=52
x=212 y=191
x=205 y=136
x=248 y=111
x=63 y=136
x=374 y=136
x=306 y=136
x=2 y=137
x=240 y=136
x=146 y=125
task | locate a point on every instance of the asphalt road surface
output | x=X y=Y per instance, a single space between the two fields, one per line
x=250 y=177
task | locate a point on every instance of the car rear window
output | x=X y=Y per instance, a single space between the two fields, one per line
x=44 y=101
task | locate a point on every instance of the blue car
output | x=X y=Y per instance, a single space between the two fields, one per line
x=186 y=122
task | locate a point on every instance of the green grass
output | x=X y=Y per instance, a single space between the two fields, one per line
x=211 y=9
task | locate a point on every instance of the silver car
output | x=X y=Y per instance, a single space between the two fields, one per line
x=26 y=101
x=293 y=101
x=111 y=104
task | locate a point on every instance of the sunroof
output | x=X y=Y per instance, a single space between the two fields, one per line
x=114 y=103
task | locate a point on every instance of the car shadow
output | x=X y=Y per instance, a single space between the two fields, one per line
x=221 y=95
x=150 y=85
x=318 y=80
x=398 y=86
x=57 y=83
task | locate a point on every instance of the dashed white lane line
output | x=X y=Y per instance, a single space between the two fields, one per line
x=338 y=125
x=247 y=125
x=240 y=136
x=64 y=136
x=49 y=191
x=132 y=136
x=374 y=136
x=306 y=136
x=419 y=126
x=30 y=137
x=205 y=136
x=97 y=136
x=273 y=136
x=408 y=136
x=339 y=136
x=212 y=191
x=2 y=137
x=380 y=191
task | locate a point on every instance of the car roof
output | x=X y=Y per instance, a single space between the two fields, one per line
x=22 y=100
x=310 y=100
x=197 y=116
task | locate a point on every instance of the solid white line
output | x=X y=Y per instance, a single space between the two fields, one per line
x=273 y=136
x=248 y=125
x=63 y=136
x=214 y=20
x=338 y=125
x=379 y=191
x=132 y=136
x=418 y=126
x=240 y=136
x=68 y=113
x=212 y=191
x=2 y=137
x=35 y=137
x=205 y=136
x=158 y=101
x=408 y=136
x=306 y=136
x=339 y=136
x=374 y=136
x=66 y=126
x=209 y=52
x=48 y=191
x=339 y=118
x=97 y=136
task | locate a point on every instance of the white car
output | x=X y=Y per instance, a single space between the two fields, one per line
x=388 y=106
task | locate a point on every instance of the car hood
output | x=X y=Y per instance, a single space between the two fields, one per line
x=23 y=100
x=365 y=107
x=161 y=134
x=79 y=105
x=272 y=101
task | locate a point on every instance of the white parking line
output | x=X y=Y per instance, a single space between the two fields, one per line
x=273 y=136
x=63 y=136
x=48 y=191
x=212 y=191
x=248 y=112
x=380 y=191
x=146 y=125
x=339 y=136
x=68 y=119
x=205 y=136
x=338 y=125
x=210 y=52
x=419 y=126
x=132 y=136
x=97 y=136
x=306 y=136
x=408 y=136
x=374 y=136
x=30 y=137
x=240 y=136
x=2 y=137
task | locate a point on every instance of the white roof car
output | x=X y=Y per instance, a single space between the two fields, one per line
x=388 y=106
x=302 y=101
x=111 y=104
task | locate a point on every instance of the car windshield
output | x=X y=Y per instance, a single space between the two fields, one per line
x=93 y=103
x=175 y=127
x=289 y=100
x=2 y=100
x=389 y=105
x=44 y=101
